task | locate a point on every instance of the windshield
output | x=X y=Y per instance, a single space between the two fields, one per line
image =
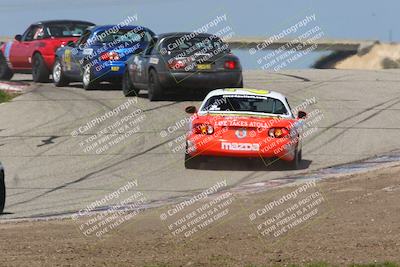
x=244 y=103
x=66 y=29
x=195 y=44
x=124 y=35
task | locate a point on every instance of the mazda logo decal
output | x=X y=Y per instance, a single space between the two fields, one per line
x=241 y=133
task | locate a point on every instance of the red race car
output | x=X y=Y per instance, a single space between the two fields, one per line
x=246 y=123
x=34 y=51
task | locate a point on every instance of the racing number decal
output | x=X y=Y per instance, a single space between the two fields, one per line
x=67 y=59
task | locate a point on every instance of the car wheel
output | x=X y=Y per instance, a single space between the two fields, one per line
x=40 y=73
x=193 y=162
x=154 y=89
x=5 y=72
x=2 y=192
x=240 y=85
x=59 y=78
x=87 y=78
x=127 y=86
x=116 y=84
x=296 y=162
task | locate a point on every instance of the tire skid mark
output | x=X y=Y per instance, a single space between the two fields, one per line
x=36 y=155
x=83 y=178
x=187 y=194
x=44 y=123
x=102 y=104
x=294 y=94
x=386 y=160
x=304 y=79
x=351 y=127
x=121 y=161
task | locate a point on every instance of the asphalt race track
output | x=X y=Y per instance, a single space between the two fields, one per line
x=49 y=172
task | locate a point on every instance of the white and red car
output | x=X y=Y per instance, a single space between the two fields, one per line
x=246 y=123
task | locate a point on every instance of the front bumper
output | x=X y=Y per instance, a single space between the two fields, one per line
x=200 y=80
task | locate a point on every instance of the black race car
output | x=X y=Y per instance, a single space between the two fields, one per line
x=2 y=189
x=182 y=62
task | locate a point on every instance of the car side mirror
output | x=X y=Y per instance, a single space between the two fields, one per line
x=191 y=109
x=18 y=37
x=301 y=115
x=71 y=44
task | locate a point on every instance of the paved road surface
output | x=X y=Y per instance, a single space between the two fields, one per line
x=49 y=172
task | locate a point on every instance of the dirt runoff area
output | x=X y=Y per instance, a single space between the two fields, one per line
x=340 y=221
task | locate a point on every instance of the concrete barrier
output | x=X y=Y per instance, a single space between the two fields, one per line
x=321 y=44
x=251 y=42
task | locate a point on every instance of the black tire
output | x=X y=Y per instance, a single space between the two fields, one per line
x=117 y=84
x=87 y=78
x=5 y=72
x=296 y=162
x=240 y=85
x=193 y=162
x=59 y=78
x=40 y=72
x=154 y=88
x=127 y=86
x=2 y=192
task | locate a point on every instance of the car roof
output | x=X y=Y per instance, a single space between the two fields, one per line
x=247 y=91
x=179 y=34
x=60 y=21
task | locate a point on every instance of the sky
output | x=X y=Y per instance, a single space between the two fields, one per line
x=343 y=19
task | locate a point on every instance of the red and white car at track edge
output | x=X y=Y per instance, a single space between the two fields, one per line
x=246 y=123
